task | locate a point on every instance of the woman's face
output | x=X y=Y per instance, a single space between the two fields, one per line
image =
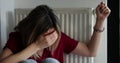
x=51 y=36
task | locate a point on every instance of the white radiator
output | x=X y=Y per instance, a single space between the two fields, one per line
x=77 y=23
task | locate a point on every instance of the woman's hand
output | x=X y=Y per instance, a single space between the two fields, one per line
x=45 y=41
x=102 y=11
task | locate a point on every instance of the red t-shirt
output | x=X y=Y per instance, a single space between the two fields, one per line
x=66 y=45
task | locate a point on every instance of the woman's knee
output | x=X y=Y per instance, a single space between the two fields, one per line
x=50 y=60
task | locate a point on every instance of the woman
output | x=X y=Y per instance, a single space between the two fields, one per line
x=38 y=36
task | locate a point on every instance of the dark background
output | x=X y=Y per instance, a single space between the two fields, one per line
x=113 y=32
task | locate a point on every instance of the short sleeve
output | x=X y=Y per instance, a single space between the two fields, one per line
x=13 y=42
x=69 y=43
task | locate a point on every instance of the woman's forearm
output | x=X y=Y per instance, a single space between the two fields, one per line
x=20 y=56
x=102 y=12
x=93 y=44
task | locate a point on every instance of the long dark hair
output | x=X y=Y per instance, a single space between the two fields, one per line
x=38 y=21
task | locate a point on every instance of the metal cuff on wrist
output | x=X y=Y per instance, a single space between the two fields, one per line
x=98 y=30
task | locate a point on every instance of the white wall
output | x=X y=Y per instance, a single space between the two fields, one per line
x=6 y=7
x=6 y=19
x=57 y=3
x=0 y=26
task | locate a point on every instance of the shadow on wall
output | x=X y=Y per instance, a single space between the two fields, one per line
x=0 y=41
x=0 y=34
x=10 y=23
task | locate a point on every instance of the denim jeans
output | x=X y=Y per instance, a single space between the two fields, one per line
x=47 y=60
x=28 y=61
x=50 y=60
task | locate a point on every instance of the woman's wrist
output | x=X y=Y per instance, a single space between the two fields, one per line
x=98 y=19
x=99 y=25
x=36 y=46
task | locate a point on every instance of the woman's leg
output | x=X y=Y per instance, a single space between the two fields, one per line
x=50 y=60
x=29 y=61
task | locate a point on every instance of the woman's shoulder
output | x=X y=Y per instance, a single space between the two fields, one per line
x=64 y=35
